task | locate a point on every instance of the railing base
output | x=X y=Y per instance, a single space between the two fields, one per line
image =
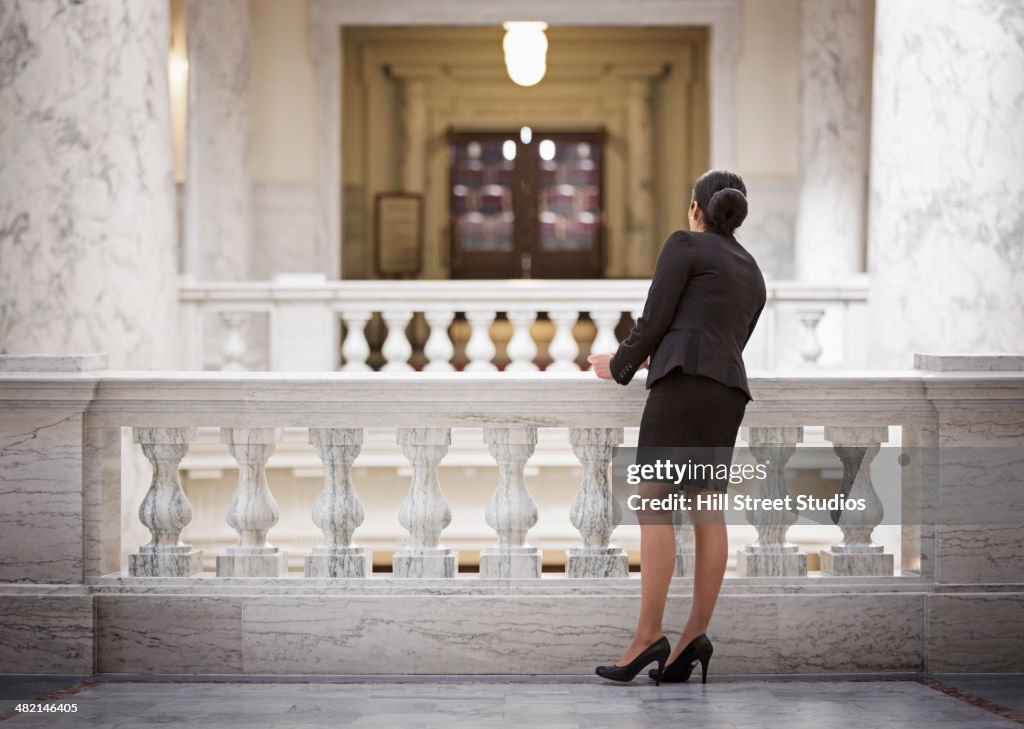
x=512 y=563
x=163 y=564
x=855 y=564
x=419 y=563
x=252 y=565
x=343 y=562
x=293 y=626
x=596 y=562
x=751 y=563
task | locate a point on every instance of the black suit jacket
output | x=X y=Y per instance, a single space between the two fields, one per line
x=706 y=296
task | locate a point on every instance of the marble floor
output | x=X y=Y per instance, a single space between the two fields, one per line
x=940 y=702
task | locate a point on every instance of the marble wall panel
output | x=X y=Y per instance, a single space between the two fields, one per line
x=976 y=632
x=163 y=634
x=41 y=496
x=46 y=634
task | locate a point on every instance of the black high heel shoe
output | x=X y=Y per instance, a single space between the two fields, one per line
x=658 y=651
x=679 y=670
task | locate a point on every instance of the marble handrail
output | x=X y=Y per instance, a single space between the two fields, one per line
x=804 y=323
x=164 y=408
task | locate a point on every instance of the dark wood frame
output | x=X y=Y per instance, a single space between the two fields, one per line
x=378 y=246
x=526 y=204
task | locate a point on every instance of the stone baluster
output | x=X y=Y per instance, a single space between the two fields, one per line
x=425 y=513
x=233 y=347
x=480 y=349
x=686 y=547
x=521 y=347
x=605 y=342
x=396 y=348
x=337 y=510
x=252 y=511
x=810 y=346
x=438 y=347
x=771 y=555
x=857 y=554
x=563 y=348
x=594 y=512
x=511 y=511
x=355 y=349
x=165 y=509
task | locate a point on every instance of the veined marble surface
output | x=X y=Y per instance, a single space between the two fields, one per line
x=969 y=362
x=41 y=525
x=46 y=633
x=218 y=222
x=947 y=192
x=835 y=70
x=450 y=634
x=85 y=180
x=54 y=363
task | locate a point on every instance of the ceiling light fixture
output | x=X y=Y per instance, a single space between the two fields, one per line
x=526 y=49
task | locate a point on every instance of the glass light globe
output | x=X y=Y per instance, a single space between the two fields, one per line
x=526 y=48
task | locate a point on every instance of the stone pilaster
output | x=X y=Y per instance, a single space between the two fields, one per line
x=218 y=188
x=947 y=191
x=835 y=72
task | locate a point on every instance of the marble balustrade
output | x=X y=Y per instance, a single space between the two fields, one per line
x=804 y=325
x=164 y=411
x=92 y=601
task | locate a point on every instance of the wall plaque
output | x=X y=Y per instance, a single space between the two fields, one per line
x=398 y=222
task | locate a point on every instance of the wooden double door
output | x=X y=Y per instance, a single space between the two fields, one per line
x=526 y=204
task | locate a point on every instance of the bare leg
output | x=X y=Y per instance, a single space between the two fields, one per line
x=711 y=555
x=658 y=562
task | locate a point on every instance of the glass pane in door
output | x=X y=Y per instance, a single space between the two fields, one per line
x=482 y=174
x=570 y=194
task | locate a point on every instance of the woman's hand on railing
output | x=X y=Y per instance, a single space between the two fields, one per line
x=601 y=365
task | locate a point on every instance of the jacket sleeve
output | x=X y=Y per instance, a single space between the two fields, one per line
x=753 y=323
x=671 y=273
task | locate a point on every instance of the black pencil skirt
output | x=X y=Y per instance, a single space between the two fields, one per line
x=691 y=419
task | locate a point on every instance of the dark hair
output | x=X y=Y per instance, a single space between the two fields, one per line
x=722 y=197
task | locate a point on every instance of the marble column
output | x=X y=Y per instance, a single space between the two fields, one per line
x=425 y=513
x=835 y=73
x=337 y=510
x=947 y=193
x=165 y=510
x=857 y=554
x=253 y=510
x=771 y=555
x=88 y=259
x=594 y=511
x=511 y=512
x=686 y=544
x=87 y=226
x=218 y=189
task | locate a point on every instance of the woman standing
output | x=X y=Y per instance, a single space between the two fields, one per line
x=705 y=298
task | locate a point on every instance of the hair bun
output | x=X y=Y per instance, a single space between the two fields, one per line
x=726 y=210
